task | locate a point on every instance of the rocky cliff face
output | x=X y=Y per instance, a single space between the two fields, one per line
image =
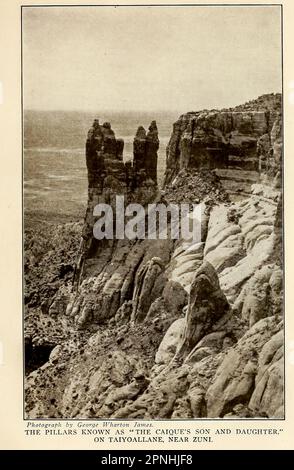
x=248 y=137
x=109 y=176
x=174 y=328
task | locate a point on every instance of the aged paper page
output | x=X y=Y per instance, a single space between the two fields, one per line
x=146 y=226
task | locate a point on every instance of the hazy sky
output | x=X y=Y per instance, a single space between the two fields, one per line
x=149 y=58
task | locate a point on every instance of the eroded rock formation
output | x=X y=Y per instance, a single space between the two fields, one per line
x=109 y=176
x=145 y=153
x=247 y=137
x=173 y=328
x=207 y=305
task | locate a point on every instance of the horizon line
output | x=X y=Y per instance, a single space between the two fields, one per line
x=171 y=110
x=105 y=110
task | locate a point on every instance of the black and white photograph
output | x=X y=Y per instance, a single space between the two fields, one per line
x=153 y=213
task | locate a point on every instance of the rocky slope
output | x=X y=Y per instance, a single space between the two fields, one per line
x=170 y=328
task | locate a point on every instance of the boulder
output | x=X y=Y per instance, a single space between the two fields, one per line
x=207 y=305
x=170 y=342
